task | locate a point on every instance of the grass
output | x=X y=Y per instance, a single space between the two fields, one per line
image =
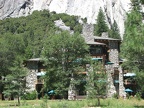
x=106 y=103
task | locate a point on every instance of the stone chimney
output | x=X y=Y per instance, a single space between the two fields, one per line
x=104 y=35
x=88 y=30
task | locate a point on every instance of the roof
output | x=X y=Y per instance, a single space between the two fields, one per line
x=94 y=43
x=105 y=38
x=90 y=41
x=130 y=74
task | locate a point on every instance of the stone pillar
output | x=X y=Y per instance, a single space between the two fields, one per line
x=111 y=88
x=72 y=91
x=122 y=93
x=31 y=80
x=114 y=54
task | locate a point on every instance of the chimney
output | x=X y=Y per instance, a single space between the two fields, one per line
x=104 y=35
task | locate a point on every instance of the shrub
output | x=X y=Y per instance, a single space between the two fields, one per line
x=29 y=96
x=44 y=103
x=116 y=96
x=138 y=95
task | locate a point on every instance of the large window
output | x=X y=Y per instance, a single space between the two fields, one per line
x=95 y=50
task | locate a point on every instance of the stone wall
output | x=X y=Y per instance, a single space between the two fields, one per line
x=111 y=88
x=88 y=30
x=31 y=80
x=114 y=57
x=32 y=76
x=114 y=54
x=122 y=92
x=72 y=92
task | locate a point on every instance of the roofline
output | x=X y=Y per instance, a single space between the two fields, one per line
x=94 y=43
x=104 y=38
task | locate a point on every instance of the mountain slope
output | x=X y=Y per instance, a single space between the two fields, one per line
x=113 y=9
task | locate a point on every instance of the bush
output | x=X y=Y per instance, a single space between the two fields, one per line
x=116 y=96
x=30 y=96
x=44 y=103
x=138 y=95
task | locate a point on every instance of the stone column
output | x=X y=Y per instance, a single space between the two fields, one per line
x=31 y=80
x=122 y=93
x=113 y=56
x=111 y=88
x=72 y=91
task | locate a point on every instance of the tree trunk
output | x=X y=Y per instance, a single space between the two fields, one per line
x=18 y=101
x=98 y=101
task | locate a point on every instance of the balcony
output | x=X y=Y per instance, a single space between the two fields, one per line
x=129 y=82
x=40 y=81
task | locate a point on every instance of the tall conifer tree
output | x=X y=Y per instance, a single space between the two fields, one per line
x=133 y=42
x=96 y=81
x=114 y=31
x=101 y=25
x=132 y=46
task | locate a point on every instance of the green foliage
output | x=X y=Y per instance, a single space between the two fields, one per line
x=139 y=79
x=96 y=81
x=29 y=96
x=15 y=83
x=136 y=4
x=34 y=28
x=114 y=31
x=101 y=25
x=78 y=28
x=142 y=1
x=138 y=96
x=12 y=63
x=132 y=45
x=44 y=104
x=64 y=49
x=26 y=37
x=116 y=96
x=71 y=21
x=84 y=20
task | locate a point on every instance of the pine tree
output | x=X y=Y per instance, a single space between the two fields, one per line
x=101 y=25
x=114 y=31
x=135 y=4
x=96 y=81
x=15 y=83
x=132 y=46
x=133 y=42
x=142 y=1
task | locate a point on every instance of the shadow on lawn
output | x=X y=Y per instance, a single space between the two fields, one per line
x=140 y=106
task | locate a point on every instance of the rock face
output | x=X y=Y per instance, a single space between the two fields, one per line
x=113 y=9
x=14 y=8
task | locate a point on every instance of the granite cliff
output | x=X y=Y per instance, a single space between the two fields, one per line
x=113 y=9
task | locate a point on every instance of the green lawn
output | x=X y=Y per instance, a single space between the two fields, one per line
x=106 y=103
